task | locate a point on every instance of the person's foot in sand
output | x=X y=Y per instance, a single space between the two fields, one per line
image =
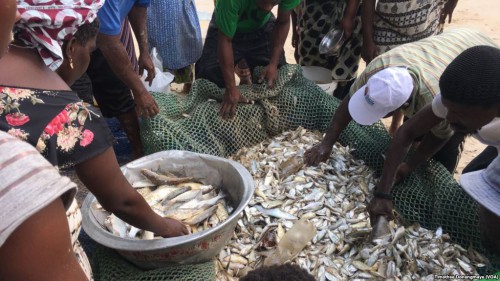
x=243 y=71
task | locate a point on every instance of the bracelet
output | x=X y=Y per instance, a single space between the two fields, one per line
x=382 y=195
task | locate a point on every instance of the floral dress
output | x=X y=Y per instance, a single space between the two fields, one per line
x=65 y=130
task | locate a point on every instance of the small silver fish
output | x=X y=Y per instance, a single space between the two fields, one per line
x=201 y=217
x=201 y=204
x=277 y=213
x=380 y=228
x=163 y=193
x=116 y=226
x=159 y=179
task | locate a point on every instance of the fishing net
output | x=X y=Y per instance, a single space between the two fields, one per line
x=430 y=196
x=193 y=122
x=107 y=265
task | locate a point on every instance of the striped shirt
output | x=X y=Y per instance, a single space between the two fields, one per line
x=425 y=60
x=28 y=184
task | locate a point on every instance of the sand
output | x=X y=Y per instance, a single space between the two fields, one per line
x=480 y=14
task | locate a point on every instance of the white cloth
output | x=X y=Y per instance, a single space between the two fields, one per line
x=28 y=184
x=484 y=186
x=489 y=134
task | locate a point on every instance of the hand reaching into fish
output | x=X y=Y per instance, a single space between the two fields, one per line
x=174 y=228
x=317 y=154
x=380 y=207
x=173 y=206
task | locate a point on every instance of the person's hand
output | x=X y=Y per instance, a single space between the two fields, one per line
x=447 y=11
x=230 y=101
x=348 y=26
x=146 y=63
x=319 y=153
x=380 y=207
x=145 y=105
x=174 y=228
x=270 y=73
x=369 y=51
x=404 y=170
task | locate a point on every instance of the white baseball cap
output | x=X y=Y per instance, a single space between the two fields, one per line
x=484 y=186
x=386 y=91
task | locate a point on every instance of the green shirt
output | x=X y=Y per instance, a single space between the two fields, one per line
x=244 y=15
x=425 y=60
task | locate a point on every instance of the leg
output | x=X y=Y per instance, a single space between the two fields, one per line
x=243 y=71
x=295 y=36
x=482 y=160
x=184 y=76
x=130 y=124
x=115 y=100
x=83 y=87
x=450 y=153
x=343 y=89
x=207 y=67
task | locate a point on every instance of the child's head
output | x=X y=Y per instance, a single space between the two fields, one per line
x=288 y=272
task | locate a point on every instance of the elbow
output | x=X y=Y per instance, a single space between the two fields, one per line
x=107 y=43
x=125 y=201
x=120 y=206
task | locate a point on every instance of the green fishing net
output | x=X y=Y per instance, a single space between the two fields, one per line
x=193 y=122
x=430 y=196
x=107 y=265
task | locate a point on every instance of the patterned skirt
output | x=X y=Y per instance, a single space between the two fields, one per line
x=405 y=21
x=316 y=20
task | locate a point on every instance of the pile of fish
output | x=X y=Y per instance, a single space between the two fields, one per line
x=333 y=198
x=182 y=198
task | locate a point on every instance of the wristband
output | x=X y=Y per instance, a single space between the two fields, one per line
x=382 y=195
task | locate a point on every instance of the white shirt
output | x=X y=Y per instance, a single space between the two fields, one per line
x=489 y=134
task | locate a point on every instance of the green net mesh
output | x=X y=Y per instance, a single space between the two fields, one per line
x=429 y=196
x=107 y=265
x=193 y=122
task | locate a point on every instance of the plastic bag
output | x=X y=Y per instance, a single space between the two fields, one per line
x=292 y=243
x=162 y=80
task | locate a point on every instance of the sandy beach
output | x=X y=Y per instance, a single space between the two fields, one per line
x=479 y=14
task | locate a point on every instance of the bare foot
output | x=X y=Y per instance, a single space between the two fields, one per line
x=186 y=88
x=243 y=71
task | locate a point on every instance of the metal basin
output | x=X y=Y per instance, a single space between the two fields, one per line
x=203 y=246
x=331 y=43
